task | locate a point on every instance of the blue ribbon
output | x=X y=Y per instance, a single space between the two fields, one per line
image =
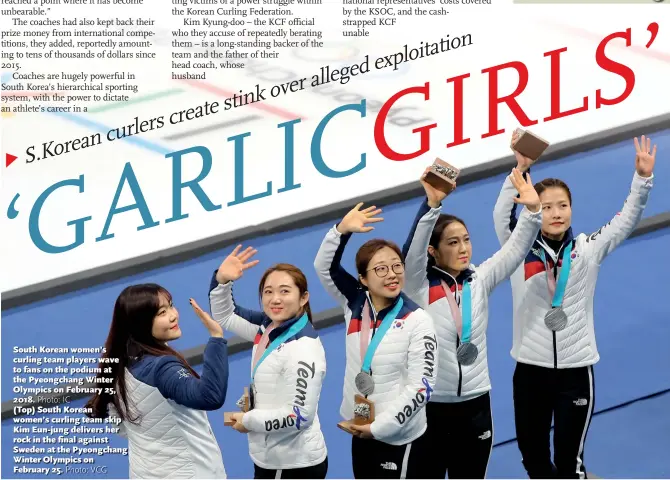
x=466 y=303
x=429 y=389
x=297 y=326
x=298 y=417
x=562 y=280
x=376 y=340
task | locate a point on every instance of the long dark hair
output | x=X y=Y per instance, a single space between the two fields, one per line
x=130 y=337
x=298 y=278
x=443 y=221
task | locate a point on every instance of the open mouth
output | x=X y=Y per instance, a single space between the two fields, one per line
x=392 y=286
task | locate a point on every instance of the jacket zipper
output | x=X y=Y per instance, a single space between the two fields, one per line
x=553 y=334
x=460 y=371
x=457 y=297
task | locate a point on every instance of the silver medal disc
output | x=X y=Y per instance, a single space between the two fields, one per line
x=556 y=319
x=466 y=353
x=364 y=383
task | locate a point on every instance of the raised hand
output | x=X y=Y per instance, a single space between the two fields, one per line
x=527 y=194
x=434 y=195
x=356 y=220
x=522 y=163
x=645 y=158
x=235 y=264
x=214 y=328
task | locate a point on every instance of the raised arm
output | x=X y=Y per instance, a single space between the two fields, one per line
x=334 y=278
x=208 y=392
x=610 y=236
x=305 y=372
x=415 y=250
x=241 y=321
x=422 y=360
x=504 y=212
x=503 y=263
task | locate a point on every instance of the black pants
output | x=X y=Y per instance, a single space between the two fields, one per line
x=316 y=471
x=374 y=459
x=459 y=438
x=568 y=396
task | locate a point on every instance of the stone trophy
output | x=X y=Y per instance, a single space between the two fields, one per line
x=244 y=404
x=364 y=414
x=442 y=176
x=529 y=145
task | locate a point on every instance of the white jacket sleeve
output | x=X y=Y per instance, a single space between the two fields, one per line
x=335 y=279
x=505 y=261
x=305 y=373
x=242 y=322
x=608 y=237
x=504 y=212
x=422 y=361
x=415 y=251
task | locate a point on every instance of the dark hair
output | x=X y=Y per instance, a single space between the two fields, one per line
x=130 y=337
x=443 y=221
x=298 y=278
x=368 y=250
x=553 y=183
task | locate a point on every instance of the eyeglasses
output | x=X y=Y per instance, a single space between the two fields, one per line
x=383 y=270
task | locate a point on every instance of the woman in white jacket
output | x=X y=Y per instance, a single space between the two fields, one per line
x=161 y=401
x=441 y=279
x=287 y=370
x=391 y=350
x=554 y=338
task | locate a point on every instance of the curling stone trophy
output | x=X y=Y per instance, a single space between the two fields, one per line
x=529 y=145
x=442 y=176
x=245 y=405
x=364 y=414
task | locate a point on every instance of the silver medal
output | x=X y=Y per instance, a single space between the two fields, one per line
x=556 y=319
x=364 y=383
x=467 y=353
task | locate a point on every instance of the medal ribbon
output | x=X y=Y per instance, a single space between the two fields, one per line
x=557 y=289
x=463 y=321
x=376 y=340
x=262 y=344
x=297 y=326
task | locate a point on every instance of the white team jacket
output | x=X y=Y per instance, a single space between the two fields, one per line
x=404 y=366
x=284 y=425
x=173 y=438
x=575 y=346
x=458 y=382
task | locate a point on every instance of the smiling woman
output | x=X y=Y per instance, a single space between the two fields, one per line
x=280 y=414
x=554 y=336
x=156 y=392
x=391 y=352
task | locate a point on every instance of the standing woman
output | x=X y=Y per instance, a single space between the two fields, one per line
x=287 y=370
x=442 y=280
x=159 y=398
x=554 y=338
x=391 y=350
